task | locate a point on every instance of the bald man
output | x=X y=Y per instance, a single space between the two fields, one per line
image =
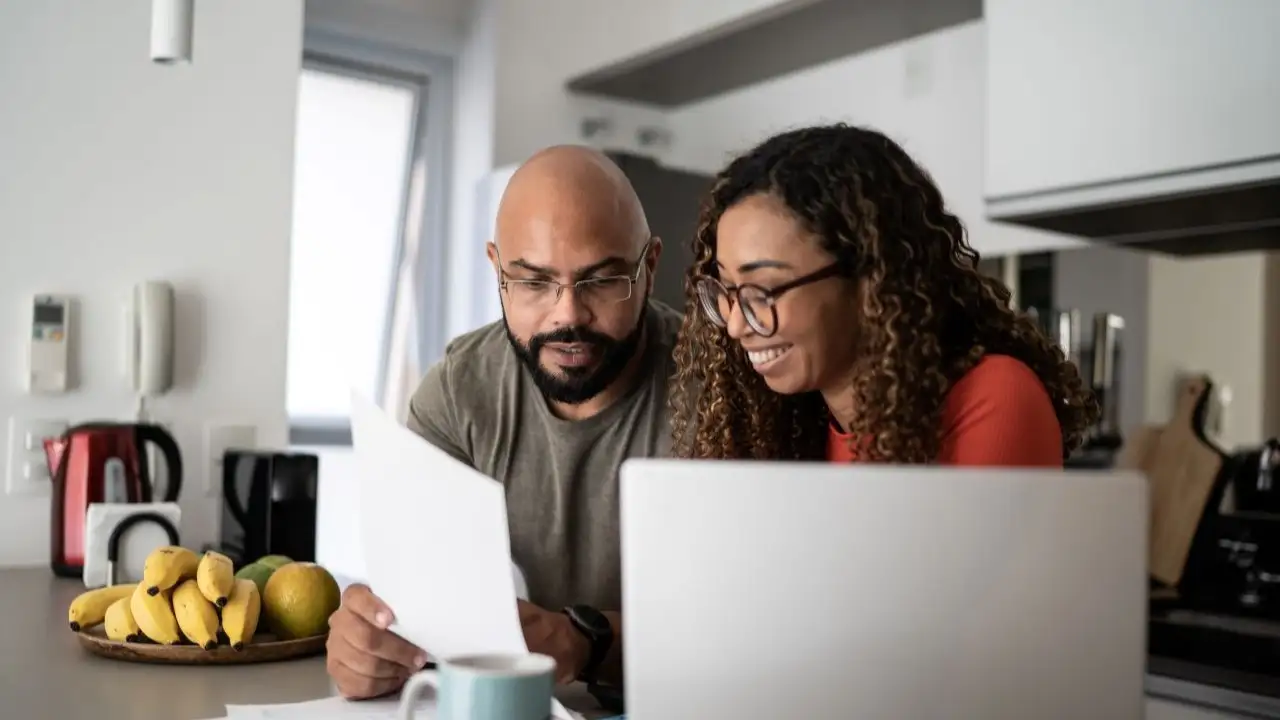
x=549 y=402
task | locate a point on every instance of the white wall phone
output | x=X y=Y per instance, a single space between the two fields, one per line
x=149 y=345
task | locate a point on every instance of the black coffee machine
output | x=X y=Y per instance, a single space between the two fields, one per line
x=1234 y=563
x=269 y=505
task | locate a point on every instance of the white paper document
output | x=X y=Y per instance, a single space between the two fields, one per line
x=436 y=544
x=331 y=708
x=335 y=708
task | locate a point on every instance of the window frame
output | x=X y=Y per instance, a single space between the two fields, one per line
x=432 y=78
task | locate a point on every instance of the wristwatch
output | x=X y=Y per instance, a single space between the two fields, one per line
x=595 y=626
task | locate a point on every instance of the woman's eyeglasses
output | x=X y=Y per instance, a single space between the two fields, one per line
x=758 y=303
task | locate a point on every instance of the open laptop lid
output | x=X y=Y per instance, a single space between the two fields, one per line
x=789 y=590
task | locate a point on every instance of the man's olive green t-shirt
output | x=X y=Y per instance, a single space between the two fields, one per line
x=480 y=405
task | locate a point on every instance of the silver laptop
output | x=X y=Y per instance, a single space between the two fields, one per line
x=773 y=591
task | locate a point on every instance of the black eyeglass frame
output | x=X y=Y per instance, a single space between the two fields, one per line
x=770 y=297
x=505 y=280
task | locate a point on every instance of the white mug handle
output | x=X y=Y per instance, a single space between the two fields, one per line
x=413 y=688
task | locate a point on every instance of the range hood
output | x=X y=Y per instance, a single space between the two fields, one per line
x=1221 y=209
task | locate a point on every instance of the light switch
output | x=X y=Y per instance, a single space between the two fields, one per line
x=219 y=439
x=27 y=469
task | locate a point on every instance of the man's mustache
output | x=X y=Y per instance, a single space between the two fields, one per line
x=569 y=335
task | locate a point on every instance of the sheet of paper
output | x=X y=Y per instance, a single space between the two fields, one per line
x=330 y=708
x=436 y=543
x=336 y=708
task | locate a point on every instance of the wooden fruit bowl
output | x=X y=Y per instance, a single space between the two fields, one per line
x=264 y=648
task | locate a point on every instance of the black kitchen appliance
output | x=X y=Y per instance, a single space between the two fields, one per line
x=269 y=505
x=1221 y=625
x=1234 y=563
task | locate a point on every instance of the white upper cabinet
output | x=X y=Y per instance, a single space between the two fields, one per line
x=1087 y=92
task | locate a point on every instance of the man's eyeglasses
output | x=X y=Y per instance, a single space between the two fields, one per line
x=758 y=303
x=595 y=291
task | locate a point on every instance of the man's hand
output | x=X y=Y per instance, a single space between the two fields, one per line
x=365 y=659
x=552 y=633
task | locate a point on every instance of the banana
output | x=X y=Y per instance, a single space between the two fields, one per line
x=90 y=607
x=119 y=622
x=240 y=616
x=166 y=567
x=154 y=615
x=214 y=576
x=196 y=617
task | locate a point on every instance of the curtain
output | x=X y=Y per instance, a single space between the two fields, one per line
x=402 y=370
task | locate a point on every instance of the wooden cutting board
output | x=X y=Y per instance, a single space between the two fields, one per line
x=1181 y=467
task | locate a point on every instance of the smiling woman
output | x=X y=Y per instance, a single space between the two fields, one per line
x=836 y=312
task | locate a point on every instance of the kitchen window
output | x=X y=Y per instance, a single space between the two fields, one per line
x=361 y=206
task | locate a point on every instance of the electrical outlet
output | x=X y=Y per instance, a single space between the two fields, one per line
x=218 y=439
x=28 y=467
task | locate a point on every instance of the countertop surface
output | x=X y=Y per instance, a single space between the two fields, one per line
x=44 y=673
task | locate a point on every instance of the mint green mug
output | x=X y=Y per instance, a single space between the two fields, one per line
x=485 y=687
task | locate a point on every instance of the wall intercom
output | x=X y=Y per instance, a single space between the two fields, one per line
x=150 y=341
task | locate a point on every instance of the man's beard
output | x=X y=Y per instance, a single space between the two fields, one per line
x=578 y=384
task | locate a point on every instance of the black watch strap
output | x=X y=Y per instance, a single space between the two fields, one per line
x=599 y=632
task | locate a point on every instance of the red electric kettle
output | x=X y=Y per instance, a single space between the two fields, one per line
x=101 y=462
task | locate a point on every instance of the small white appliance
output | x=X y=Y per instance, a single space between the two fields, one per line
x=49 y=344
x=766 y=590
x=120 y=535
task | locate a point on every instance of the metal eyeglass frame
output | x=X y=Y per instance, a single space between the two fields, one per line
x=768 y=295
x=577 y=286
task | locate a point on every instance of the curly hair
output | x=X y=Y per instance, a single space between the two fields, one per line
x=927 y=317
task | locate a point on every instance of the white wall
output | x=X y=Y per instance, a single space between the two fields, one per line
x=540 y=47
x=473 y=130
x=926 y=93
x=117 y=170
x=1213 y=315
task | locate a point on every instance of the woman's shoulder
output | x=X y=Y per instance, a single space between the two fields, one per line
x=1000 y=411
x=994 y=372
x=997 y=381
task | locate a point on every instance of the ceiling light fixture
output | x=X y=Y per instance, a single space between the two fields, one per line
x=171 y=31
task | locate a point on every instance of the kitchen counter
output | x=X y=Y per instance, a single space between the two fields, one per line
x=44 y=673
x=1220 y=661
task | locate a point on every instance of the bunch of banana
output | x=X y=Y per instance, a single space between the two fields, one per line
x=166 y=567
x=214 y=576
x=90 y=608
x=182 y=598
